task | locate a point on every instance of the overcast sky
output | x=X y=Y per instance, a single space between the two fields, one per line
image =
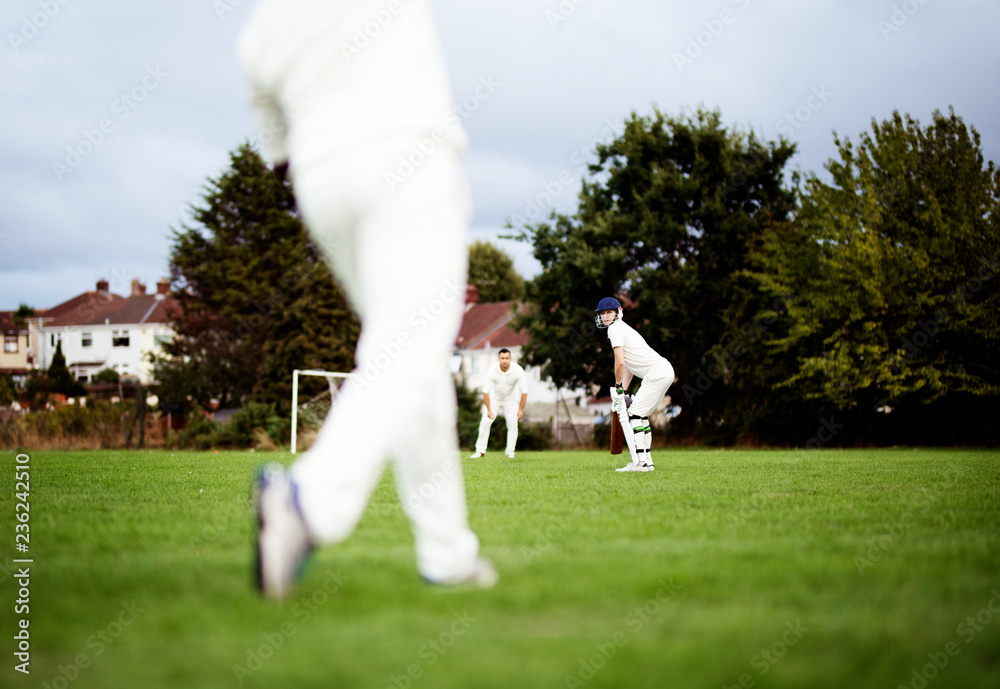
x=163 y=80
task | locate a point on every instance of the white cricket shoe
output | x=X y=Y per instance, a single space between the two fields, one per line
x=476 y=455
x=283 y=544
x=483 y=576
x=631 y=466
x=510 y=455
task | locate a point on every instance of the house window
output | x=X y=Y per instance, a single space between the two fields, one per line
x=474 y=360
x=53 y=338
x=87 y=340
x=10 y=343
x=119 y=338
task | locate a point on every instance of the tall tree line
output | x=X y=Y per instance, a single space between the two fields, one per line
x=253 y=298
x=857 y=307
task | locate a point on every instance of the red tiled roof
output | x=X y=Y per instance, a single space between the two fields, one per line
x=503 y=337
x=93 y=300
x=490 y=323
x=142 y=308
x=98 y=308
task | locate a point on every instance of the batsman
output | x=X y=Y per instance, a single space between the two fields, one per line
x=634 y=358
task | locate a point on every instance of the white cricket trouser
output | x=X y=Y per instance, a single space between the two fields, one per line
x=635 y=422
x=654 y=386
x=400 y=255
x=509 y=409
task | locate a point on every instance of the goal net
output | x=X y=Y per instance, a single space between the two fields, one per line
x=312 y=412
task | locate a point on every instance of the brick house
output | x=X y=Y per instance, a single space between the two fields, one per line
x=99 y=330
x=15 y=357
x=485 y=331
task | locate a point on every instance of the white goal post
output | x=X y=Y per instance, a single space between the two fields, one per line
x=329 y=375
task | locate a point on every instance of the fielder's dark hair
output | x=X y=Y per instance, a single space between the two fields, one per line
x=502 y=351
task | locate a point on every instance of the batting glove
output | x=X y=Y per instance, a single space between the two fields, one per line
x=617 y=400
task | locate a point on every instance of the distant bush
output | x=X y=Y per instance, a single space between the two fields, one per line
x=200 y=432
x=96 y=425
x=602 y=433
x=107 y=375
x=103 y=424
x=255 y=425
x=240 y=431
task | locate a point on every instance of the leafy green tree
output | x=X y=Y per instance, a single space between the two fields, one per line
x=663 y=223
x=894 y=264
x=23 y=313
x=107 y=375
x=8 y=390
x=60 y=380
x=492 y=271
x=253 y=298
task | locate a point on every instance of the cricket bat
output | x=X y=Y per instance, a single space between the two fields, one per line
x=617 y=434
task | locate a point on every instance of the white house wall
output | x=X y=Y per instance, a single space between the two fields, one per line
x=476 y=362
x=130 y=361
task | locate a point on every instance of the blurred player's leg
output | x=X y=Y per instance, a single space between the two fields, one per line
x=485 y=424
x=510 y=415
x=405 y=278
x=373 y=158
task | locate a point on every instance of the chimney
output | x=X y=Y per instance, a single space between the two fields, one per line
x=102 y=285
x=138 y=289
x=163 y=286
x=471 y=294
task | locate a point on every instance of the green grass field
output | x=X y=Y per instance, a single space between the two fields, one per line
x=866 y=568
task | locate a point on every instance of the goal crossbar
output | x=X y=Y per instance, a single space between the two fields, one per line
x=329 y=375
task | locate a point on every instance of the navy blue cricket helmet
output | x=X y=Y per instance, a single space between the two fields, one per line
x=607 y=304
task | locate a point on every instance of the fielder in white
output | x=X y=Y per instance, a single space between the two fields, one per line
x=506 y=389
x=353 y=96
x=633 y=357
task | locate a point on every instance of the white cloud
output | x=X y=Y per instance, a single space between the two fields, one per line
x=561 y=84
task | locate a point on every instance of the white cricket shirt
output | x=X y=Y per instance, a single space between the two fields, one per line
x=640 y=358
x=332 y=75
x=505 y=385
